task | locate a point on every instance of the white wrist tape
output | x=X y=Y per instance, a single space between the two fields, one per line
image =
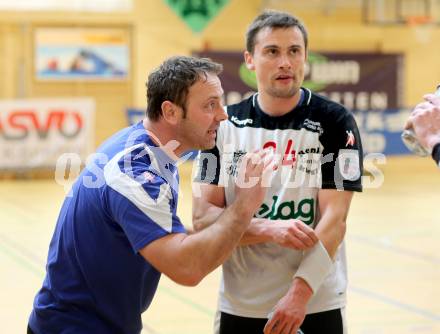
x=315 y=266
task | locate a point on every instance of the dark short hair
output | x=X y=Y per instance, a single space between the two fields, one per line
x=173 y=78
x=273 y=19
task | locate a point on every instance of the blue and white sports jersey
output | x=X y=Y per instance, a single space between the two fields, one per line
x=96 y=280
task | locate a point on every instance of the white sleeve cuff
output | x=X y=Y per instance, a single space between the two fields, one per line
x=315 y=266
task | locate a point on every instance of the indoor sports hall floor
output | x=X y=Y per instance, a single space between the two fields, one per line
x=393 y=241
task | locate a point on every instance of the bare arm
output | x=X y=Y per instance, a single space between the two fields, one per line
x=334 y=206
x=210 y=205
x=291 y=234
x=186 y=259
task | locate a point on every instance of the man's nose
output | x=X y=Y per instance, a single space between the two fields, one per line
x=221 y=114
x=285 y=61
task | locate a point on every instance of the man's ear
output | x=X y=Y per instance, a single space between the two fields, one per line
x=170 y=112
x=249 y=61
x=306 y=61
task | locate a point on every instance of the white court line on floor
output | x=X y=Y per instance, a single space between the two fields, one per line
x=395 y=249
x=390 y=301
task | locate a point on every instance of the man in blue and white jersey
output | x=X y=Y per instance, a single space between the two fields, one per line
x=118 y=229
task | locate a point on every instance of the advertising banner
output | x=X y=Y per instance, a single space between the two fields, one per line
x=34 y=133
x=360 y=81
x=368 y=84
x=381 y=130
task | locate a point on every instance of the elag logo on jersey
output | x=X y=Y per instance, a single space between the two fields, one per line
x=303 y=210
x=20 y=124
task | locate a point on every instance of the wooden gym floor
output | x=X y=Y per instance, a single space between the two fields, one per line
x=393 y=242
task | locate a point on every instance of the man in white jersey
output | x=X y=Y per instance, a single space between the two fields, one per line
x=290 y=267
x=425 y=120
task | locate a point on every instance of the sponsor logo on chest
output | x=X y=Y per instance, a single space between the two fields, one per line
x=302 y=209
x=313 y=126
x=245 y=121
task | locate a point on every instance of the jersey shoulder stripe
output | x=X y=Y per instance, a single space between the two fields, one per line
x=152 y=196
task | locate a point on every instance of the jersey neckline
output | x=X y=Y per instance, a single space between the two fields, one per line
x=304 y=100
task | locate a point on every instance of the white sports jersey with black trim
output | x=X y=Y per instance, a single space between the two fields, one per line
x=319 y=147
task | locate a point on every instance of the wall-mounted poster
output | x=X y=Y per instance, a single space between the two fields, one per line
x=81 y=54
